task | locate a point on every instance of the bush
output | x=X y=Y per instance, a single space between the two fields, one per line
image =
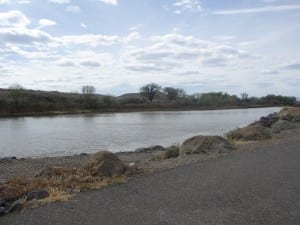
x=171 y=152
x=250 y=133
x=282 y=125
x=291 y=114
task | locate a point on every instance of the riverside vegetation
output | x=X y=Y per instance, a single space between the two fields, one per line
x=17 y=100
x=57 y=183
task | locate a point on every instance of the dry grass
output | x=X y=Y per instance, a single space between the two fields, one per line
x=60 y=184
x=291 y=113
x=56 y=195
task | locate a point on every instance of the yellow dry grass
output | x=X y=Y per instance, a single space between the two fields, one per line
x=60 y=184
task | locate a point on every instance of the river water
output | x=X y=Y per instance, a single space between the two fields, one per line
x=73 y=134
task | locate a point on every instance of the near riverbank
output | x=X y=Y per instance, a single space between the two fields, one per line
x=256 y=184
x=70 y=175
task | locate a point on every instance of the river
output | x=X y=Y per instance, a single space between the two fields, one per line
x=73 y=134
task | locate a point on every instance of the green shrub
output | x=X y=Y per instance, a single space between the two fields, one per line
x=171 y=152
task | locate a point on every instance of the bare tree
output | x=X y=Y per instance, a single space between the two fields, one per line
x=88 y=90
x=87 y=93
x=150 y=90
x=244 y=97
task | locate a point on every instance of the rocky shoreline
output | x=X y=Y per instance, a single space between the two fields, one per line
x=72 y=174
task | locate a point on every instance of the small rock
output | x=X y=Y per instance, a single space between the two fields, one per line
x=2 y=203
x=2 y=211
x=39 y=194
x=83 y=154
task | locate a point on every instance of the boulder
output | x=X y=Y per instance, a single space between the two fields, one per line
x=154 y=148
x=105 y=163
x=282 y=125
x=250 y=133
x=205 y=144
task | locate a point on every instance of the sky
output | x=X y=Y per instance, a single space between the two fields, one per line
x=117 y=46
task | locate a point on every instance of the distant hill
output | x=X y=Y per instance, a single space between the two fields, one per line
x=46 y=94
x=35 y=102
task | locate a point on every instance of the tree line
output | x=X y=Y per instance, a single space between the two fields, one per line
x=18 y=100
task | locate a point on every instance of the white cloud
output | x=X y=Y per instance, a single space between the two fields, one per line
x=24 y=2
x=2 y=2
x=93 y=40
x=278 y=8
x=110 y=2
x=90 y=63
x=132 y=37
x=181 y=6
x=13 y=18
x=73 y=9
x=46 y=23
x=24 y=36
x=175 y=52
x=87 y=59
x=60 y=1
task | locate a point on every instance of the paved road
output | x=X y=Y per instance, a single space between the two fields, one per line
x=257 y=187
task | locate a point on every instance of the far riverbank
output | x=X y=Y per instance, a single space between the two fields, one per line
x=130 y=110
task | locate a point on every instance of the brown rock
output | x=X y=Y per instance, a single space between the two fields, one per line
x=205 y=144
x=105 y=163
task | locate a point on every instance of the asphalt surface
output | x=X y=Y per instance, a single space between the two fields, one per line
x=260 y=187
